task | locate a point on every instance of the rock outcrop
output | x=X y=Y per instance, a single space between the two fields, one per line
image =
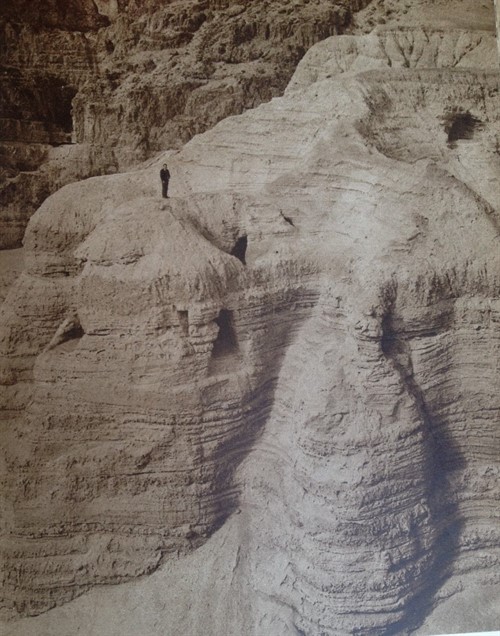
x=299 y=349
x=93 y=88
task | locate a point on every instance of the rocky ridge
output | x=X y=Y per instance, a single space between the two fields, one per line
x=326 y=366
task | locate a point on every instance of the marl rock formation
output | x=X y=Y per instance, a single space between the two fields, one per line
x=282 y=382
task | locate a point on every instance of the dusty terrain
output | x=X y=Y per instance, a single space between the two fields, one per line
x=281 y=384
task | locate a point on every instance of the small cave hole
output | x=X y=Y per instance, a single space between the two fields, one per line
x=74 y=333
x=461 y=126
x=61 y=112
x=183 y=317
x=226 y=341
x=67 y=335
x=240 y=248
x=387 y=340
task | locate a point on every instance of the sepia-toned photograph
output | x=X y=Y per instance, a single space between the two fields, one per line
x=249 y=317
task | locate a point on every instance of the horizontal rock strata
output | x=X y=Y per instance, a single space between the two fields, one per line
x=307 y=332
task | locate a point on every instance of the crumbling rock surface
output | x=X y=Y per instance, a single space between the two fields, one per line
x=281 y=383
x=91 y=88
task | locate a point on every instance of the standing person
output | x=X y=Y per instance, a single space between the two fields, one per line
x=165 y=178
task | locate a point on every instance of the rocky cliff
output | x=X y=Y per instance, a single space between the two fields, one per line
x=281 y=383
x=90 y=88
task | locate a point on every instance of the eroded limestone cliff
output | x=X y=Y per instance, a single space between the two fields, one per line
x=282 y=382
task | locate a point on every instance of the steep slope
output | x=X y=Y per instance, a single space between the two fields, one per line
x=307 y=333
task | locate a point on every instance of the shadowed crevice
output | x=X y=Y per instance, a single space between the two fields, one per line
x=442 y=456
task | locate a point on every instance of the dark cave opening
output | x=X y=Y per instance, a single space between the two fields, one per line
x=226 y=342
x=461 y=126
x=36 y=110
x=68 y=335
x=74 y=333
x=63 y=115
x=183 y=317
x=240 y=248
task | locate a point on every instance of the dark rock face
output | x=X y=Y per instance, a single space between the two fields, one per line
x=36 y=112
x=117 y=82
x=68 y=15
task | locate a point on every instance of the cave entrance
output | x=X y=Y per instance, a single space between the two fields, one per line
x=36 y=110
x=183 y=317
x=461 y=126
x=63 y=111
x=225 y=352
x=68 y=335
